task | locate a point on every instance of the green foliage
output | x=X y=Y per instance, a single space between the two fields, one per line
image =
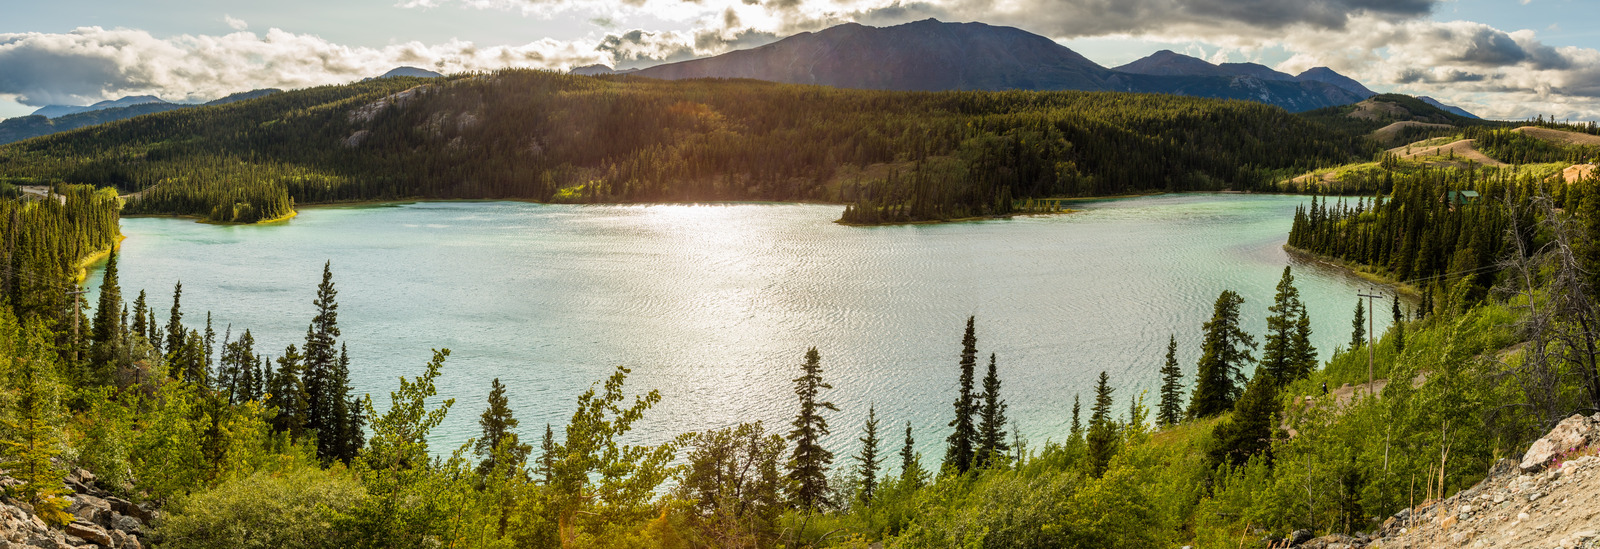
x=962 y=442
x=808 y=465
x=1286 y=351
x=1220 y=373
x=992 y=445
x=1170 y=410
x=499 y=443
x=32 y=422
x=868 y=462
x=1513 y=147
x=556 y=137
x=293 y=504
x=733 y=486
x=1102 y=436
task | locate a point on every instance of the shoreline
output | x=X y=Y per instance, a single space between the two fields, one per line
x=1357 y=270
x=95 y=258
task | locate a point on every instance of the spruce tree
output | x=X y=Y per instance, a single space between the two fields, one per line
x=1358 y=334
x=346 y=435
x=547 y=455
x=288 y=395
x=175 y=331
x=141 y=309
x=959 y=450
x=1170 y=411
x=105 y=333
x=992 y=445
x=1102 y=429
x=867 y=461
x=1287 y=341
x=188 y=360
x=1076 y=435
x=320 y=362
x=1227 y=349
x=808 y=466
x=1249 y=431
x=1399 y=326
x=33 y=427
x=499 y=446
x=910 y=461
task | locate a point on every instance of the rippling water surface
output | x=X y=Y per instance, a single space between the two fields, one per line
x=715 y=305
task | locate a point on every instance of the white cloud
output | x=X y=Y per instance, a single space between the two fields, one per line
x=235 y=24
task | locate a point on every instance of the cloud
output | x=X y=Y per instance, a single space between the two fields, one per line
x=235 y=24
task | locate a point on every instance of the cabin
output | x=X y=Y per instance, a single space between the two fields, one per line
x=1460 y=198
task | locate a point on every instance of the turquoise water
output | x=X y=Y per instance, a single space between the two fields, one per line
x=715 y=305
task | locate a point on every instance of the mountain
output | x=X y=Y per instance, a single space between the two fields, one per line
x=930 y=55
x=1458 y=111
x=58 y=111
x=599 y=70
x=411 y=72
x=922 y=56
x=35 y=125
x=1327 y=76
x=1170 y=63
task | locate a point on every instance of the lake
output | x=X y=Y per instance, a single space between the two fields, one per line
x=715 y=305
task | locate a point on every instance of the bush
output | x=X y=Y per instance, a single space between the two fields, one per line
x=291 y=507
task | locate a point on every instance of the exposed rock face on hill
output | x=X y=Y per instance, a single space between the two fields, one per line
x=101 y=520
x=1550 y=499
x=934 y=56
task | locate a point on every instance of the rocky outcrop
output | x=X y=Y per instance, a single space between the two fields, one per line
x=1572 y=433
x=100 y=520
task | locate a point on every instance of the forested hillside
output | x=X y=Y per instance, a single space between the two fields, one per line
x=240 y=448
x=550 y=137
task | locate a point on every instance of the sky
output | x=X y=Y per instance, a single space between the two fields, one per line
x=1505 y=59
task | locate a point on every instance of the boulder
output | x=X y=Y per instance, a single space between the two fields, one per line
x=1574 y=432
x=125 y=523
x=89 y=532
x=88 y=508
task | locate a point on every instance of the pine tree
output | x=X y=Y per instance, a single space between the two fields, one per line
x=33 y=434
x=320 y=361
x=1358 y=336
x=1399 y=326
x=808 y=466
x=499 y=445
x=105 y=334
x=959 y=451
x=288 y=395
x=1287 y=341
x=141 y=309
x=1102 y=430
x=188 y=360
x=1219 y=374
x=867 y=461
x=1171 y=409
x=992 y=445
x=1249 y=431
x=175 y=331
x=346 y=435
x=547 y=454
x=1076 y=435
x=210 y=342
x=910 y=461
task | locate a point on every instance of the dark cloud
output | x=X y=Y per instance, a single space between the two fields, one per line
x=1073 y=18
x=45 y=72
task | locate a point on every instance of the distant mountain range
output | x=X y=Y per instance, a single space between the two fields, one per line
x=931 y=55
x=411 y=72
x=37 y=124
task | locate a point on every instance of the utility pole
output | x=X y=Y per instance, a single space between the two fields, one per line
x=1372 y=340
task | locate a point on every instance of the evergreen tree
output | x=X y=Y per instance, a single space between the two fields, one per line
x=1287 y=342
x=188 y=360
x=141 y=309
x=1102 y=429
x=992 y=445
x=867 y=461
x=1249 y=431
x=547 y=454
x=33 y=435
x=105 y=334
x=808 y=466
x=959 y=451
x=288 y=395
x=1358 y=334
x=175 y=330
x=210 y=342
x=910 y=461
x=321 y=359
x=1227 y=349
x=347 y=436
x=1076 y=435
x=1171 y=408
x=499 y=445
x=1399 y=326
x=236 y=372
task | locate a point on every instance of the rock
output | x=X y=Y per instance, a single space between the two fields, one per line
x=1574 y=432
x=1299 y=536
x=89 y=532
x=90 y=509
x=125 y=523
